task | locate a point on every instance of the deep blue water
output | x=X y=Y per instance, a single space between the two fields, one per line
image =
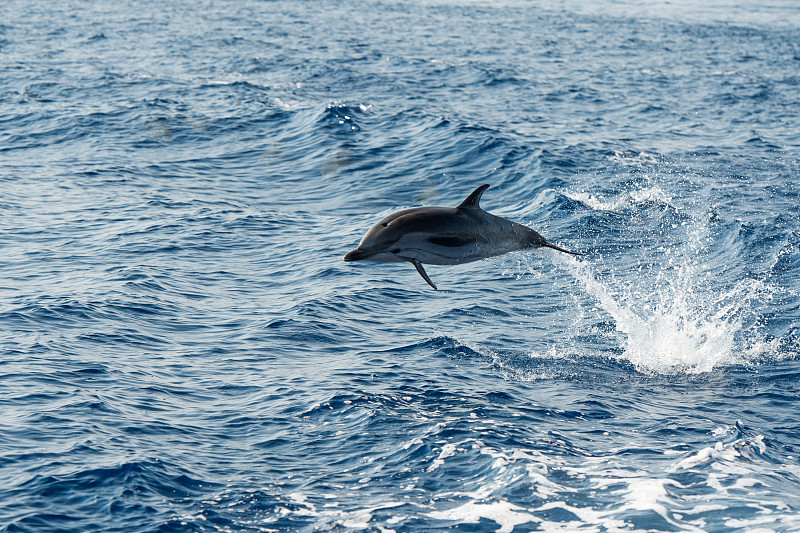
x=182 y=347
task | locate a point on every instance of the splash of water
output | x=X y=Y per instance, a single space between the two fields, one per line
x=677 y=323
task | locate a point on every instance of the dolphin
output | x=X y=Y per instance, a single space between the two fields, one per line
x=445 y=236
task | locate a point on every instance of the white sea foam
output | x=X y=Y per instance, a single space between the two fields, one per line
x=722 y=452
x=676 y=321
x=624 y=200
x=507 y=515
x=448 y=450
x=728 y=469
x=288 y=104
x=632 y=158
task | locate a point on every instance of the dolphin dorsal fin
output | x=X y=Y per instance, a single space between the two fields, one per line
x=472 y=200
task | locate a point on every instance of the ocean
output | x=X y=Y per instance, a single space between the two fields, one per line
x=183 y=349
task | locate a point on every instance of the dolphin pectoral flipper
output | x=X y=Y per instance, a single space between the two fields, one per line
x=422 y=273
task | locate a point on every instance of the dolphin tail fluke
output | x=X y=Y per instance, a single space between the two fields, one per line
x=554 y=247
x=422 y=273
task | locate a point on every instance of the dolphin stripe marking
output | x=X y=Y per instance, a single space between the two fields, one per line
x=450 y=241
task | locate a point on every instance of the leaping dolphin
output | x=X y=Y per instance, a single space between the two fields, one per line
x=445 y=236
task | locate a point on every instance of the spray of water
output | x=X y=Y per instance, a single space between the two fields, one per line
x=674 y=324
x=675 y=312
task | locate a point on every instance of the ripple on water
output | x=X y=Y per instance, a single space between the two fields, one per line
x=182 y=347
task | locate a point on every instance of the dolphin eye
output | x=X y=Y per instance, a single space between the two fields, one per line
x=395 y=251
x=385 y=224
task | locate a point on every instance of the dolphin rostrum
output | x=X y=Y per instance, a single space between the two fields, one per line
x=445 y=236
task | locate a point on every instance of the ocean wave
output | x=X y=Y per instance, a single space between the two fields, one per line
x=638 y=198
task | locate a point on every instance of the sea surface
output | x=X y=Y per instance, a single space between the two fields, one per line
x=182 y=348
